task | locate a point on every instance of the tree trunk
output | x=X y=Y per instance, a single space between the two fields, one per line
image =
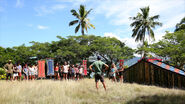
x=83 y=31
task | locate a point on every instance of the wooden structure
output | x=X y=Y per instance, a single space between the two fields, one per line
x=154 y=72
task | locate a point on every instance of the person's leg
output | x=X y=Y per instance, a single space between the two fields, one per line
x=104 y=86
x=97 y=85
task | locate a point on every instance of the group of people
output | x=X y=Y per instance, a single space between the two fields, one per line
x=16 y=71
x=66 y=71
x=30 y=72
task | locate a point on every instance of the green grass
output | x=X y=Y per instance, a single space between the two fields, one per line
x=84 y=92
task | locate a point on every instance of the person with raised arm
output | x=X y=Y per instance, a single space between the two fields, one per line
x=97 y=67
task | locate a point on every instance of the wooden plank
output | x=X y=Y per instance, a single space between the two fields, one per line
x=147 y=81
x=179 y=81
x=152 y=74
x=173 y=80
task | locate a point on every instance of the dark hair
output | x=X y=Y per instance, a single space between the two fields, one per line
x=99 y=58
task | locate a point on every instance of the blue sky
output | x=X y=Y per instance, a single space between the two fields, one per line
x=23 y=21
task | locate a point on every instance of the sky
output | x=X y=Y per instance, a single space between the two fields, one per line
x=23 y=21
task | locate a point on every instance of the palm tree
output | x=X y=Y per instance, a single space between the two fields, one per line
x=143 y=49
x=143 y=24
x=82 y=19
x=181 y=25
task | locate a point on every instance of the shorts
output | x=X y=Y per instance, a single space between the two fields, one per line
x=72 y=74
x=99 y=77
x=9 y=74
x=15 y=74
x=121 y=73
x=65 y=72
x=20 y=74
x=56 y=72
x=25 y=74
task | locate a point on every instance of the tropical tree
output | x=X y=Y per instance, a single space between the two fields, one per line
x=171 y=48
x=181 y=25
x=81 y=19
x=144 y=49
x=143 y=24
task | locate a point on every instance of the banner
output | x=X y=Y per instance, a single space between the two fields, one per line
x=50 y=67
x=41 y=68
x=121 y=62
x=85 y=66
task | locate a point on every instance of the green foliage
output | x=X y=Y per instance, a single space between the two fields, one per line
x=111 y=49
x=143 y=24
x=72 y=48
x=172 y=48
x=2 y=73
x=181 y=25
x=82 y=19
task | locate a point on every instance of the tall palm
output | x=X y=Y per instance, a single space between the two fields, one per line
x=82 y=19
x=181 y=25
x=143 y=24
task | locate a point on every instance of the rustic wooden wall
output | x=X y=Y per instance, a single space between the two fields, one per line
x=147 y=73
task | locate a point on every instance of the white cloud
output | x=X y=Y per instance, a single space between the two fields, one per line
x=19 y=4
x=128 y=41
x=41 y=27
x=44 y=10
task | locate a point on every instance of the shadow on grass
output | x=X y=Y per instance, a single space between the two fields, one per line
x=158 y=99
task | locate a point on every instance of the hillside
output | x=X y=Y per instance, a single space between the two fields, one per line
x=84 y=92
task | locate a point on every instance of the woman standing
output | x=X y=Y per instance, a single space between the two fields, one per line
x=121 y=69
x=25 y=72
x=65 y=70
x=81 y=72
x=113 y=72
x=73 y=72
x=77 y=71
x=19 y=68
x=15 y=72
x=32 y=72
x=56 y=70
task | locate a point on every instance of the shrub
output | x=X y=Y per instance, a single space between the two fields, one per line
x=2 y=73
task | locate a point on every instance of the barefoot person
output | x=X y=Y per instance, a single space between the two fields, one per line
x=113 y=72
x=65 y=70
x=121 y=69
x=9 y=69
x=56 y=69
x=98 y=71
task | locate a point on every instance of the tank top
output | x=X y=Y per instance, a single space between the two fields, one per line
x=66 y=67
x=56 y=68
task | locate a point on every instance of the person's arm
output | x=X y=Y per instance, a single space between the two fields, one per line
x=106 y=66
x=5 y=67
x=90 y=67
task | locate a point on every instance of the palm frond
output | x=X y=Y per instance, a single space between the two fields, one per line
x=77 y=28
x=73 y=22
x=74 y=13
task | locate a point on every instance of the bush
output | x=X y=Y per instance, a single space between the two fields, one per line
x=2 y=73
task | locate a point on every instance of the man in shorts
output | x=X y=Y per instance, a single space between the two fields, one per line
x=98 y=71
x=9 y=69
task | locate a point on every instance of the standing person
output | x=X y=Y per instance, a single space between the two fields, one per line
x=15 y=73
x=73 y=72
x=36 y=71
x=81 y=72
x=113 y=72
x=65 y=70
x=120 y=70
x=19 y=68
x=32 y=72
x=9 y=70
x=77 y=72
x=25 y=72
x=56 y=70
x=98 y=71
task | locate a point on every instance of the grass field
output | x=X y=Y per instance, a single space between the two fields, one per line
x=84 y=92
